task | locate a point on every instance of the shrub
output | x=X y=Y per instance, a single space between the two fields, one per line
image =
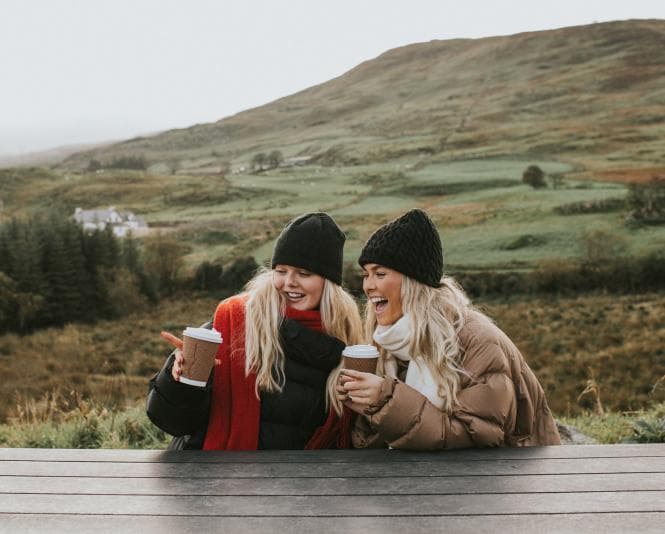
x=274 y=159
x=94 y=165
x=239 y=273
x=86 y=434
x=534 y=176
x=523 y=241
x=40 y=437
x=214 y=237
x=164 y=261
x=647 y=202
x=604 y=268
x=123 y=289
x=128 y=162
x=208 y=276
x=605 y=205
x=136 y=431
x=352 y=279
x=648 y=431
x=601 y=248
x=258 y=161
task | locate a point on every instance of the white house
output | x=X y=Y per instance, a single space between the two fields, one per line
x=122 y=222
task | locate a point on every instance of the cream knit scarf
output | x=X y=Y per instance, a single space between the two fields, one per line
x=395 y=339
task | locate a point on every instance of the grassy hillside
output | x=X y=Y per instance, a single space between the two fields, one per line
x=447 y=125
x=616 y=341
x=487 y=216
x=593 y=95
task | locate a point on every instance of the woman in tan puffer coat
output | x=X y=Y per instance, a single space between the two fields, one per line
x=447 y=376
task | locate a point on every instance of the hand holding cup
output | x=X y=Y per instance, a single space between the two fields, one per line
x=358 y=386
x=194 y=355
x=358 y=390
x=176 y=370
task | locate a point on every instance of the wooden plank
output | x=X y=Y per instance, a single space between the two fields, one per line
x=608 y=523
x=348 y=470
x=333 y=486
x=324 y=456
x=372 y=505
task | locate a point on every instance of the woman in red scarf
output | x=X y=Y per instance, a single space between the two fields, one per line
x=283 y=338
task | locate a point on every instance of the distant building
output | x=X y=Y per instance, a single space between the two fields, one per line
x=296 y=161
x=122 y=222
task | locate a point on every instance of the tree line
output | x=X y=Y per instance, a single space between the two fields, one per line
x=604 y=266
x=139 y=163
x=53 y=273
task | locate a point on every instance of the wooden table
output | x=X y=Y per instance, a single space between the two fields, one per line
x=583 y=488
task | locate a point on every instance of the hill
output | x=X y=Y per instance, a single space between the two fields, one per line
x=50 y=156
x=449 y=126
x=594 y=95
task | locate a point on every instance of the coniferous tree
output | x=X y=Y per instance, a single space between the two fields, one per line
x=130 y=254
x=163 y=262
x=102 y=253
x=53 y=272
x=24 y=287
x=65 y=271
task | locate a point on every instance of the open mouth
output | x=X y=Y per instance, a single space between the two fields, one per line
x=380 y=304
x=294 y=297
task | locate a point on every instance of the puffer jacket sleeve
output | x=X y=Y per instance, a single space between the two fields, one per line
x=485 y=409
x=178 y=409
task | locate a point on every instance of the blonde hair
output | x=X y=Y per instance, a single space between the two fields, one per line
x=264 y=311
x=436 y=316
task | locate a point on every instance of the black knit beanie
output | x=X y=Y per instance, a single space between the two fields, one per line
x=314 y=242
x=410 y=245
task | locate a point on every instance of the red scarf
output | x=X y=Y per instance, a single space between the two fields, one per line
x=309 y=318
x=235 y=412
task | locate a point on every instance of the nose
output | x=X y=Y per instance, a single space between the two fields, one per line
x=291 y=279
x=368 y=283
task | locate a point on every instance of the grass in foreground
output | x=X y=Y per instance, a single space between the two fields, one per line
x=616 y=341
x=88 y=427
x=644 y=426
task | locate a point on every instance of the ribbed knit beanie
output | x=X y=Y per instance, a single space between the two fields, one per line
x=410 y=245
x=314 y=242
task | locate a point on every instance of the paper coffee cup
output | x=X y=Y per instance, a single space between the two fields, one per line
x=360 y=358
x=199 y=350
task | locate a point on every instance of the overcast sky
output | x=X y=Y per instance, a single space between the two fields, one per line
x=78 y=71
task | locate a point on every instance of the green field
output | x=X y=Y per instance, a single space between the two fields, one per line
x=481 y=206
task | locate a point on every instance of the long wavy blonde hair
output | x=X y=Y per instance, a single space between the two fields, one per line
x=436 y=316
x=264 y=311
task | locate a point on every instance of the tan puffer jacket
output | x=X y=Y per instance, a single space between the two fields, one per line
x=501 y=403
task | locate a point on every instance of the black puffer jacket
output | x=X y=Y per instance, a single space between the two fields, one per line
x=288 y=418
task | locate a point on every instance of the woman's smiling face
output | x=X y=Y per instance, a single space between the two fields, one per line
x=383 y=288
x=300 y=288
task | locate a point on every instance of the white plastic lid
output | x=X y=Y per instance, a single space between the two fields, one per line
x=360 y=351
x=203 y=334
